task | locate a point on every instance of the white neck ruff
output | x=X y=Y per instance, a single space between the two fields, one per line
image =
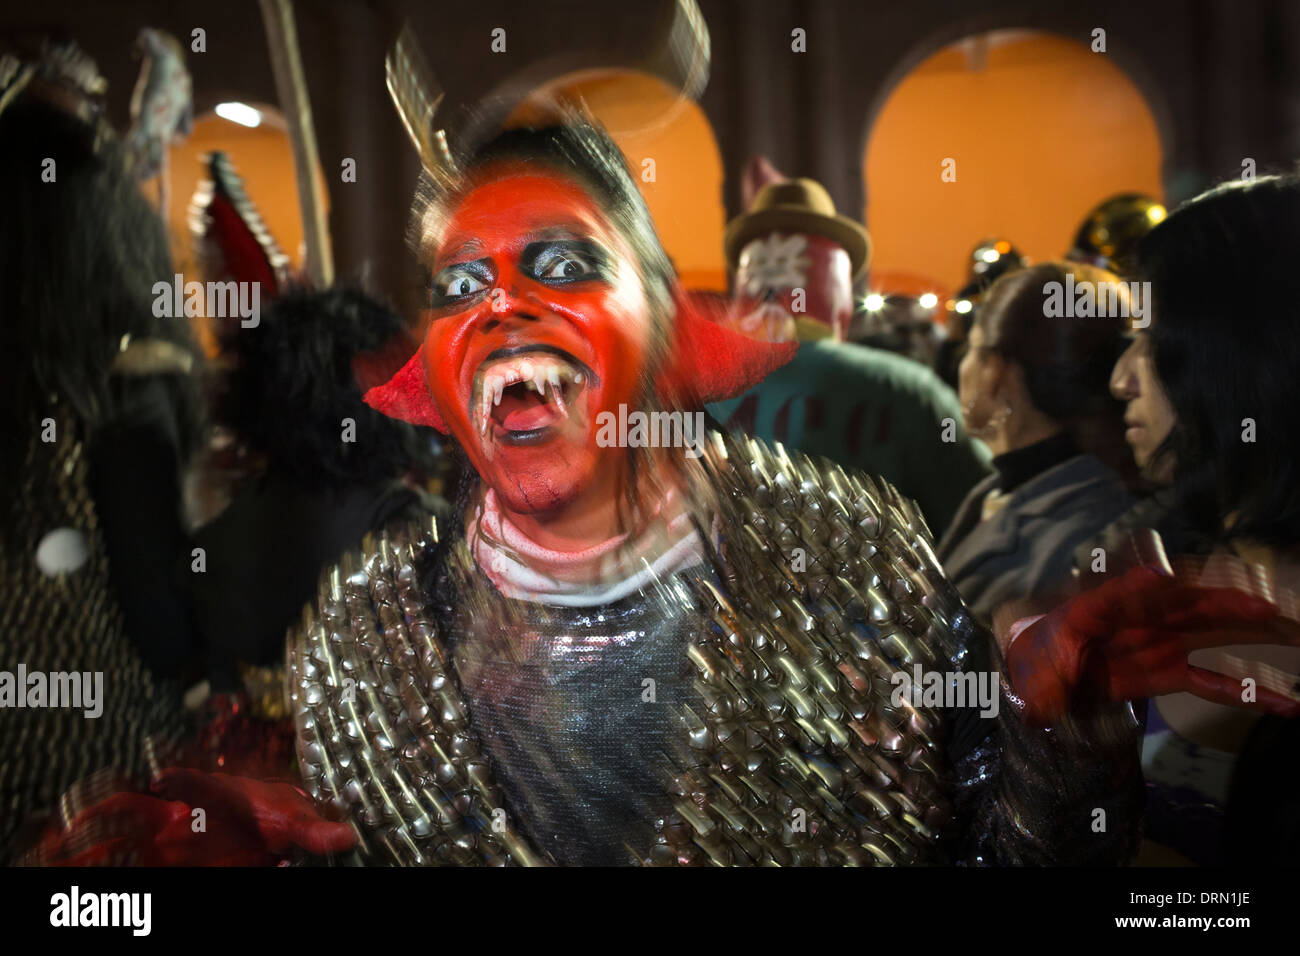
x=526 y=571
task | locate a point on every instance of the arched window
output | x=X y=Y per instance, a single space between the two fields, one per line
x=671 y=150
x=1038 y=128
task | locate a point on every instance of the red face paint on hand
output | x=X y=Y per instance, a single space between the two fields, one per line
x=539 y=322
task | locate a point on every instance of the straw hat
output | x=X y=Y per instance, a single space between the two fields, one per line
x=797 y=205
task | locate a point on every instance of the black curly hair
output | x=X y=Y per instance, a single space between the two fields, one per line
x=295 y=383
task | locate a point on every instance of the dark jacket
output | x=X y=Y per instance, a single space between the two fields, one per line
x=1028 y=547
x=264 y=554
x=868 y=410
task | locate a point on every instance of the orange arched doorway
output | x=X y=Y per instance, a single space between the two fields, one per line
x=1039 y=128
x=670 y=148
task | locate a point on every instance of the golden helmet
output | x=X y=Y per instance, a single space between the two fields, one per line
x=1109 y=235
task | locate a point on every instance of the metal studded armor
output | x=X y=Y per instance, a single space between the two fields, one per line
x=68 y=622
x=740 y=713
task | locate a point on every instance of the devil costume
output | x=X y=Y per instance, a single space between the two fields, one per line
x=719 y=685
x=460 y=726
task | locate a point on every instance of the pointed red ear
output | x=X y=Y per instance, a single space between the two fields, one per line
x=708 y=362
x=406 y=396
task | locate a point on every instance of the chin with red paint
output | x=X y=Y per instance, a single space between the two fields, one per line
x=539 y=322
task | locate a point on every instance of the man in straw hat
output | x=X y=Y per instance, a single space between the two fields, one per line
x=796 y=260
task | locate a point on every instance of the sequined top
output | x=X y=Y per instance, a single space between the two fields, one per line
x=581 y=704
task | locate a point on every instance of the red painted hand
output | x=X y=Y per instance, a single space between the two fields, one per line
x=1129 y=639
x=244 y=822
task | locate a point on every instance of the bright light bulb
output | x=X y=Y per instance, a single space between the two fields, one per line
x=962 y=307
x=928 y=301
x=874 y=302
x=240 y=113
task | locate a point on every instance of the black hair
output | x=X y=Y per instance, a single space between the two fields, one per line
x=1226 y=345
x=295 y=383
x=1066 y=361
x=79 y=257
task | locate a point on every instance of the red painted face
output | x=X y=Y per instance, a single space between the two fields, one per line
x=539 y=322
x=782 y=277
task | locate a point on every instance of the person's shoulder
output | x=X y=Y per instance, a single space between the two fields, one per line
x=1089 y=476
x=388 y=561
x=836 y=536
x=810 y=493
x=865 y=363
x=1080 y=491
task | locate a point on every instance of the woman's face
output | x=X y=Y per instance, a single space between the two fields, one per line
x=1149 y=416
x=977 y=380
x=539 y=322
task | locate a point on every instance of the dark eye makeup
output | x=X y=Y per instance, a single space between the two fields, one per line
x=557 y=262
x=564 y=261
x=460 y=282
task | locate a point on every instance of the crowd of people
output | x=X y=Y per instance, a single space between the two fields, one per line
x=435 y=621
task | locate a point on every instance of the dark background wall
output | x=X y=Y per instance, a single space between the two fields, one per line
x=1221 y=77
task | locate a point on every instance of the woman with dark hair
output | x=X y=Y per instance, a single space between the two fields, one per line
x=1033 y=386
x=1211 y=392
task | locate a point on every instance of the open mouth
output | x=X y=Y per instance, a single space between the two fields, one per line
x=527 y=395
